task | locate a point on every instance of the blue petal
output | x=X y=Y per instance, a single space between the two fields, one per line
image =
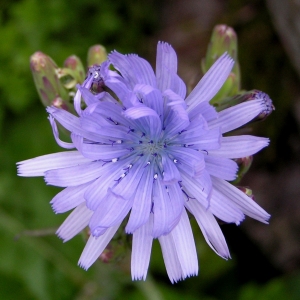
x=76 y=175
x=221 y=167
x=95 y=246
x=77 y=220
x=238 y=115
x=69 y=198
x=141 y=250
x=245 y=203
x=170 y=172
x=210 y=228
x=167 y=207
x=211 y=82
x=110 y=214
x=239 y=146
x=39 y=165
x=166 y=65
x=142 y=203
x=179 y=251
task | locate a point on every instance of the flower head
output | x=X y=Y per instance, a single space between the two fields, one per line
x=145 y=150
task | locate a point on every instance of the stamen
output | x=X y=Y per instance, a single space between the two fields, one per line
x=180 y=132
x=186 y=194
x=115 y=142
x=110 y=119
x=130 y=130
x=128 y=168
x=147 y=164
x=121 y=177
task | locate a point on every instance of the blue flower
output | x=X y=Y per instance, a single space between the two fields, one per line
x=145 y=150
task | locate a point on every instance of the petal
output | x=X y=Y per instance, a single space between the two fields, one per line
x=72 y=176
x=135 y=69
x=141 y=250
x=88 y=97
x=203 y=140
x=39 y=165
x=238 y=115
x=167 y=207
x=150 y=97
x=207 y=111
x=221 y=167
x=127 y=186
x=69 y=198
x=56 y=135
x=153 y=120
x=170 y=256
x=142 y=203
x=166 y=65
x=245 y=203
x=211 y=82
x=110 y=214
x=179 y=251
x=240 y=146
x=103 y=152
x=95 y=246
x=112 y=172
x=194 y=189
x=190 y=158
x=224 y=209
x=209 y=227
x=75 y=222
x=77 y=99
x=142 y=70
x=170 y=172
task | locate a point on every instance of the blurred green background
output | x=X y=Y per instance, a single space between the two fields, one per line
x=34 y=263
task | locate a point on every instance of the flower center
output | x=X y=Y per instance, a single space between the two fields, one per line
x=148 y=146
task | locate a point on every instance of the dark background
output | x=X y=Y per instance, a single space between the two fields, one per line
x=34 y=263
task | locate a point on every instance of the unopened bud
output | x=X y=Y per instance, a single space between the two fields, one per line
x=244 y=165
x=59 y=103
x=223 y=39
x=48 y=85
x=249 y=96
x=96 y=55
x=247 y=191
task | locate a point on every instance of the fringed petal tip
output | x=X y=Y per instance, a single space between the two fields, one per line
x=81 y=265
x=136 y=277
x=61 y=236
x=266 y=218
x=183 y=277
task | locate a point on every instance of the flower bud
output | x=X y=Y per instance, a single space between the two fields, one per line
x=244 y=165
x=249 y=96
x=246 y=190
x=223 y=39
x=96 y=55
x=75 y=68
x=48 y=85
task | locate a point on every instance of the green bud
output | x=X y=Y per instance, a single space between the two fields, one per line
x=244 y=165
x=72 y=73
x=223 y=39
x=96 y=55
x=247 y=191
x=48 y=85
